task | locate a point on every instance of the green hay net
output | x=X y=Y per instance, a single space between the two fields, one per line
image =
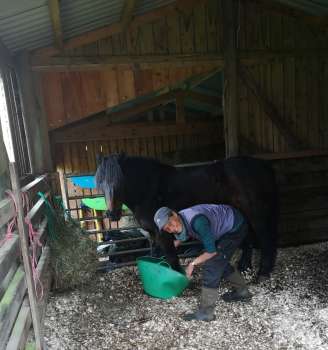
x=73 y=254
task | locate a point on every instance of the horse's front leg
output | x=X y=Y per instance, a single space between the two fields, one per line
x=166 y=243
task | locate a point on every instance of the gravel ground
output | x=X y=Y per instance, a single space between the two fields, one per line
x=289 y=311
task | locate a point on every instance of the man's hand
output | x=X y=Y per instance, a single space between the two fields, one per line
x=189 y=270
x=177 y=243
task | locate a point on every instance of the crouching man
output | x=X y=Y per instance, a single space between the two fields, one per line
x=221 y=229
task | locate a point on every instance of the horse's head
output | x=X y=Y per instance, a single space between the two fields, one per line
x=109 y=180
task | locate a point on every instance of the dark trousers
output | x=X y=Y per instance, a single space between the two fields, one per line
x=219 y=266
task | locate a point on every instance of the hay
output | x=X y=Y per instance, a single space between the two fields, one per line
x=74 y=258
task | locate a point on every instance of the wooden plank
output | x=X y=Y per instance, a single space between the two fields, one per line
x=44 y=272
x=173 y=34
x=132 y=130
x=269 y=108
x=21 y=328
x=72 y=92
x=144 y=61
x=54 y=11
x=7 y=211
x=143 y=81
x=126 y=89
x=35 y=211
x=146 y=40
x=10 y=304
x=200 y=29
x=91 y=156
x=8 y=254
x=160 y=78
x=93 y=94
x=83 y=157
x=160 y=37
x=10 y=274
x=110 y=84
x=148 y=60
x=230 y=79
x=186 y=22
x=180 y=117
x=211 y=24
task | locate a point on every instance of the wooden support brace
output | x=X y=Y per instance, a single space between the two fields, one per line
x=269 y=108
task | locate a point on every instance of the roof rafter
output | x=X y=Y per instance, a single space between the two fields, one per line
x=127 y=13
x=54 y=12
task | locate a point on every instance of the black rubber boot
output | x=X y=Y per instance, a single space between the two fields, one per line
x=206 y=308
x=240 y=291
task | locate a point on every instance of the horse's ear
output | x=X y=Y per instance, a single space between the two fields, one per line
x=99 y=158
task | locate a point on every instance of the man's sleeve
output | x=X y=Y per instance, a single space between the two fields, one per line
x=202 y=226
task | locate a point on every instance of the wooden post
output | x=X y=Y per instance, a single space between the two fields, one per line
x=230 y=100
x=180 y=110
x=36 y=121
x=23 y=236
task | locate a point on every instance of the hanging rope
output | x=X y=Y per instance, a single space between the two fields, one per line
x=34 y=242
x=12 y=223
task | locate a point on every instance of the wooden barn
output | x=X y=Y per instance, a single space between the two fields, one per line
x=182 y=81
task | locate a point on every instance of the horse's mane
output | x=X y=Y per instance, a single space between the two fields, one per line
x=109 y=173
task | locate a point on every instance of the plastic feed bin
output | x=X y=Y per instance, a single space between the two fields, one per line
x=159 y=279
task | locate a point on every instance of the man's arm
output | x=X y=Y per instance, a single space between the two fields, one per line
x=198 y=261
x=201 y=225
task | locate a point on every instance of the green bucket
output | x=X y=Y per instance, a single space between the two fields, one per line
x=159 y=279
x=99 y=203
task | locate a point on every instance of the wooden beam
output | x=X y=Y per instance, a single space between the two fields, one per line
x=83 y=63
x=180 y=116
x=142 y=107
x=54 y=12
x=230 y=105
x=100 y=131
x=102 y=33
x=127 y=13
x=269 y=108
x=203 y=98
x=63 y=64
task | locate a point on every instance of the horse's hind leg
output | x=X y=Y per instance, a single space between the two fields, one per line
x=245 y=261
x=266 y=236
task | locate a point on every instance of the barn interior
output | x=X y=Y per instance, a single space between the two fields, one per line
x=182 y=81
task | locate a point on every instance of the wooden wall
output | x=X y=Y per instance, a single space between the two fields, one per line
x=72 y=96
x=287 y=56
x=169 y=142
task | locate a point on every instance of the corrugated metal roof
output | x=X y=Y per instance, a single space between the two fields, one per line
x=148 y=5
x=27 y=24
x=80 y=16
x=312 y=7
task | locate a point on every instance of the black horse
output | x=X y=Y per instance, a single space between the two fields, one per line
x=145 y=184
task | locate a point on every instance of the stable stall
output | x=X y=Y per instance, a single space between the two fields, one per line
x=181 y=81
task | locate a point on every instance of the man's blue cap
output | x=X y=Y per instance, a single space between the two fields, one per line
x=162 y=216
